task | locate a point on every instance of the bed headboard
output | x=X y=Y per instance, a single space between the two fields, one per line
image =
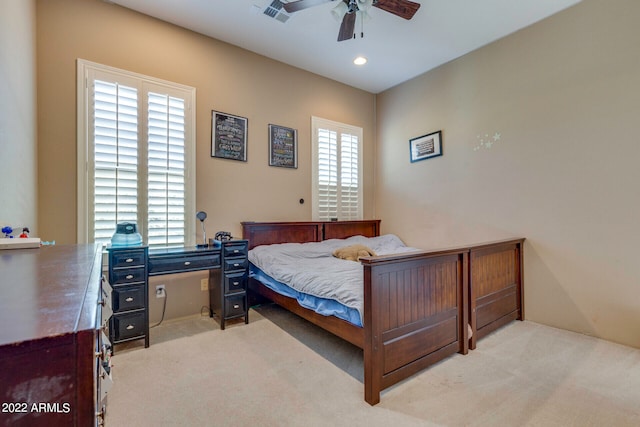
x=267 y=233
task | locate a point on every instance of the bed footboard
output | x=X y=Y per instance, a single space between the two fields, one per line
x=415 y=312
x=495 y=286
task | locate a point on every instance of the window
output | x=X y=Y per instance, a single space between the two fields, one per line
x=337 y=170
x=135 y=156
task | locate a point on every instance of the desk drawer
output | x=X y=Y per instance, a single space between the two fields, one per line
x=235 y=249
x=128 y=275
x=128 y=325
x=240 y=263
x=130 y=258
x=127 y=298
x=235 y=282
x=177 y=264
x=235 y=306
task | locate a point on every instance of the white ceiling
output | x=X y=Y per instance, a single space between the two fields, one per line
x=397 y=49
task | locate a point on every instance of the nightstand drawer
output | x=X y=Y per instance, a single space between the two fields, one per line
x=128 y=325
x=235 y=249
x=235 y=282
x=128 y=275
x=240 y=263
x=128 y=297
x=235 y=305
x=130 y=258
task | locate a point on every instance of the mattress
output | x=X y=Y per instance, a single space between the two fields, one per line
x=319 y=281
x=324 y=306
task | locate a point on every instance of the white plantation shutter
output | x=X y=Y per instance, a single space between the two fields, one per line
x=327 y=163
x=135 y=156
x=115 y=195
x=166 y=174
x=350 y=186
x=337 y=159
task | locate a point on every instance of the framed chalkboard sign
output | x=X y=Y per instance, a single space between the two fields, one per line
x=283 y=147
x=228 y=136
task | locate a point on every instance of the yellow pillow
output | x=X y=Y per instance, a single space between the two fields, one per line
x=353 y=252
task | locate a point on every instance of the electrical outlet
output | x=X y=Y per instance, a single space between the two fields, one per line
x=160 y=292
x=204 y=284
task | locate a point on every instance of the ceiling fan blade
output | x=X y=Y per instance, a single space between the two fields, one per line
x=295 y=6
x=402 y=8
x=347 y=26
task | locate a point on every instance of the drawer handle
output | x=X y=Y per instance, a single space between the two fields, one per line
x=104 y=353
x=129 y=276
x=187 y=263
x=129 y=260
x=235 y=251
x=236 y=265
x=236 y=306
x=100 y=415
x=129 y=299
x=236 y=283
x=130 y=327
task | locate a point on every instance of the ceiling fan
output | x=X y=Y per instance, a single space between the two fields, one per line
x=347 y=10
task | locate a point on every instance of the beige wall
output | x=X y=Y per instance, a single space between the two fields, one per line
x=563 y=96
x=226 y=79
x=18 y=173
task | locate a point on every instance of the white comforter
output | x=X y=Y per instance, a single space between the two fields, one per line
x=311 y=268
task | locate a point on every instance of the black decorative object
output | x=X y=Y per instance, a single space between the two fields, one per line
x=202 y=215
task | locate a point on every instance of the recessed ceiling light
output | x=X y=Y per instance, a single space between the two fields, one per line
x=360 y=60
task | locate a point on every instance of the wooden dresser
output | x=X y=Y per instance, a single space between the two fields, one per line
x=54 y=367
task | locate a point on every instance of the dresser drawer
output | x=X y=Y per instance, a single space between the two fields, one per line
x=235 y=249
x=128 y=325
x=106 y=330
x=105 y=293
x=176 y=264
x=235 y=282
x=130 y=258
x=128 y=275
x=106 y=307
x=125 y=298
x=235 y=305
x=240 y=263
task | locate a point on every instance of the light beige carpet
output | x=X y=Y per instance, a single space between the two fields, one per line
x=282 y=371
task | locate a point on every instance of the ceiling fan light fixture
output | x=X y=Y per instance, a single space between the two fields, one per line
x=360 y=60
x=339 y=11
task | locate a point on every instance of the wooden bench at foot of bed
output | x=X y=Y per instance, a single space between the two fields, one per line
x=416 y=305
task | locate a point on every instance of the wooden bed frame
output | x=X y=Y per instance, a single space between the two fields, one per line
x=416 y=305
